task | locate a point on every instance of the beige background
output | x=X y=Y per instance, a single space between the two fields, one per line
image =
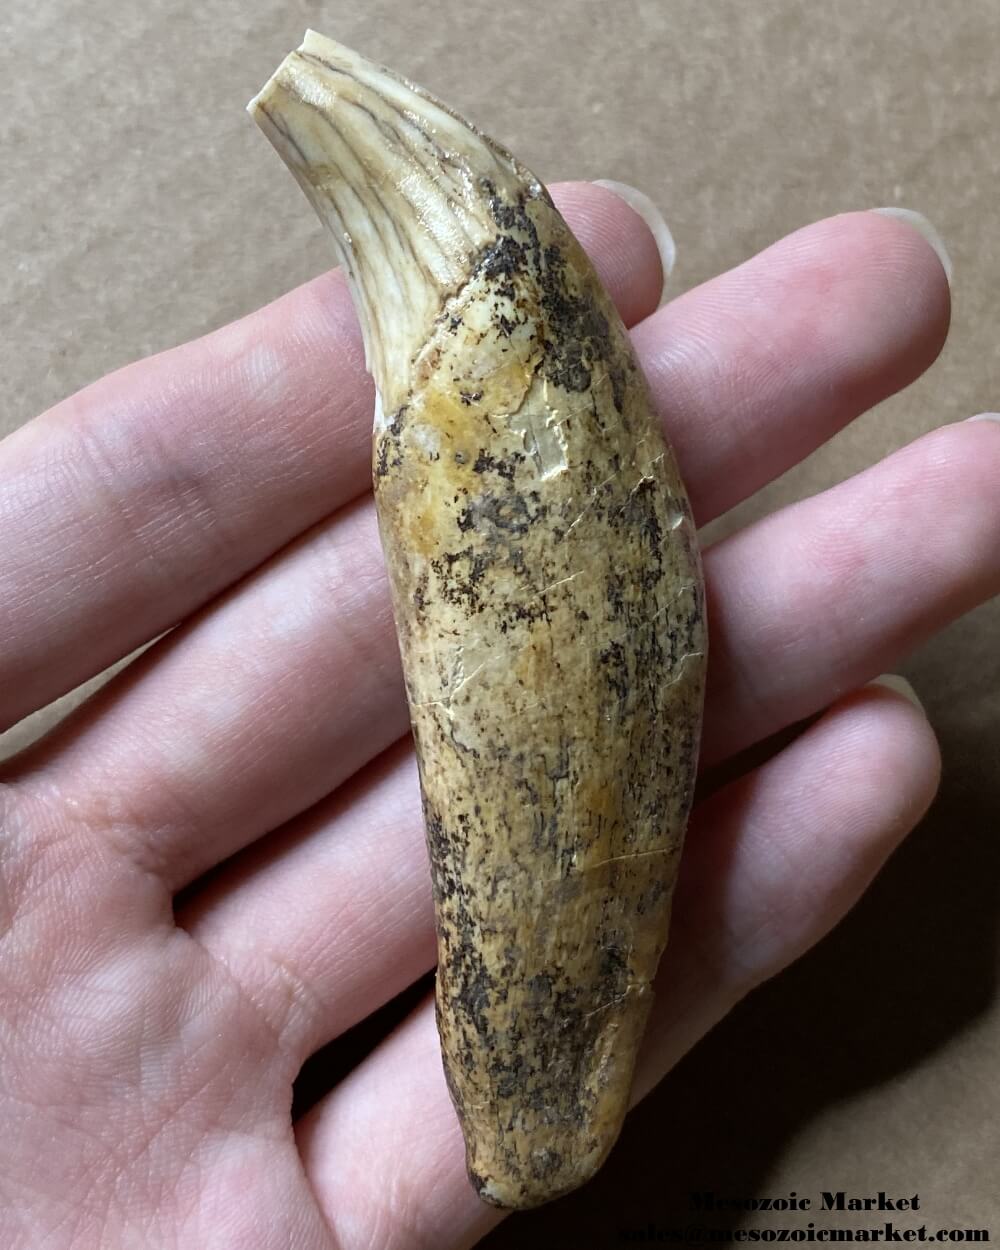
x=140 y=207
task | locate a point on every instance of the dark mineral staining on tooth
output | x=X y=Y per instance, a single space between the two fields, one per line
x=548 y=597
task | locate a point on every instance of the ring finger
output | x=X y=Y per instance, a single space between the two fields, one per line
x=773 y=862
x=789 y=651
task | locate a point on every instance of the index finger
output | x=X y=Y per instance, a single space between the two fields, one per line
x=131 y=504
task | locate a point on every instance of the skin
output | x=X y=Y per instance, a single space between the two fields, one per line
x=146 y=1057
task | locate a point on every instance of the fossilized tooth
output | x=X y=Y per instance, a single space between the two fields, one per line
x=548 y=600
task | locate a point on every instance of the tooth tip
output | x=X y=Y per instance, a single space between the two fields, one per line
x=312 y=41
x=390 y=172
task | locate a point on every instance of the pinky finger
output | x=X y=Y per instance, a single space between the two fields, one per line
x=777 y=858
x=774 y=860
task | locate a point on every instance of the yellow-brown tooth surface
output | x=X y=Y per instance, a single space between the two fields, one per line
x=548 y=599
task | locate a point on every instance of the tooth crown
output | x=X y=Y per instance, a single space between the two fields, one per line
x=396 y=178
x=549 y=603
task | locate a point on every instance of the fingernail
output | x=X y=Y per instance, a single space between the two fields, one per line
x=893 y=681
x=640 y=202
x=985 y=416
x=922 y=226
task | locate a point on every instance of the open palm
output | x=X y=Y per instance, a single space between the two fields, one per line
x=256 y=757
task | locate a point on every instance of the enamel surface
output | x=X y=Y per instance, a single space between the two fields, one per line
x=548 y=599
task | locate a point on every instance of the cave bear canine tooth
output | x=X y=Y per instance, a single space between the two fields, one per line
x=548 y=599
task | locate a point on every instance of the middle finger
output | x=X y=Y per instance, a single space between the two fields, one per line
x=803 y=606
x=153 y=490
x=292 y=682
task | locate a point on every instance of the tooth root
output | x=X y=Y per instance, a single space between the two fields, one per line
x=548 y=598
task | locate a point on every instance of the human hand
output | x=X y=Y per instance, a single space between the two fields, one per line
x=256 y=757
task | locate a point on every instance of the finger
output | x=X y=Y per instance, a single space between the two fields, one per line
x=821 y=596
x=802 y=606
x=137 y=500
x=359 y=857
x=132 y=503
x=758 y=367
x=326 y=920
x=244 y=716
x=773 y=863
